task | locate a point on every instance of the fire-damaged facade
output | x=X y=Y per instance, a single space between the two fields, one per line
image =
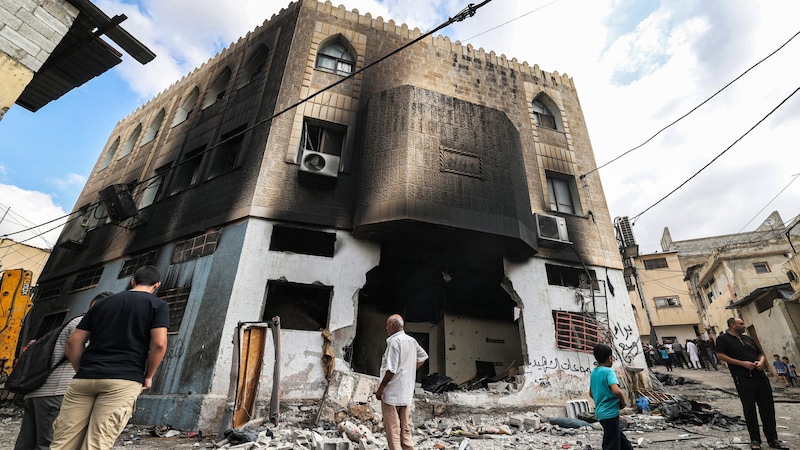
x=443 y=183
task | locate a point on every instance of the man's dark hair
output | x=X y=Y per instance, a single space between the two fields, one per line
x=601 y=352
x=731 y=321
x=147 y=276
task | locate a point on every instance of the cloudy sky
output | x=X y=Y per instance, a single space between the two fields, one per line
x=638 y=66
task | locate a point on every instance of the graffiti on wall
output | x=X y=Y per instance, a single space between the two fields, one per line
x=555 y=364
x=627 y=347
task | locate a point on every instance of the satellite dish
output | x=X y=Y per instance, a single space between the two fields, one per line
x=769 y=222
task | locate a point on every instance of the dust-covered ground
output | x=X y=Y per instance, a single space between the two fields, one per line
x=500 y=431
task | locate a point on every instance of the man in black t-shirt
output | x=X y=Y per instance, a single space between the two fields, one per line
x=127 y=336
x=746 y=362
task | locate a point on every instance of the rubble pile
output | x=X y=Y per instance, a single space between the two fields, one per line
x=518 y=431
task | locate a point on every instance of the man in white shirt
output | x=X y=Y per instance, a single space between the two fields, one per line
x=402 y=358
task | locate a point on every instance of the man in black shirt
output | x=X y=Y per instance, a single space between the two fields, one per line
x=127 y=336
x=746 y=362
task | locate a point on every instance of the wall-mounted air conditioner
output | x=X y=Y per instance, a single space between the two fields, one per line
x=792 y=270
x=551 y=230
x=319 y=167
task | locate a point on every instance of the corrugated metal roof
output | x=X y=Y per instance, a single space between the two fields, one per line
x=81 y=55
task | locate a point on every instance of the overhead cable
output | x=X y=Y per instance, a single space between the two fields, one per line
x=464 y=14
x=634 y=218
x=693 y=109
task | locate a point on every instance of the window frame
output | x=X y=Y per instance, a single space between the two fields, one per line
x=335 y=51
x=764 y=264
x=556 y=199
x=326 y=130
x=667 y=301
x=655 y=263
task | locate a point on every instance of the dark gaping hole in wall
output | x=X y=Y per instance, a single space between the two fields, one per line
x=300 y=306
x=448 y=290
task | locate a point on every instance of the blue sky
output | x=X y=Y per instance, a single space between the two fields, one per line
x=638 y=65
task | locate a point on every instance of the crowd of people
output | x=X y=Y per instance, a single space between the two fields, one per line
x=695 y=354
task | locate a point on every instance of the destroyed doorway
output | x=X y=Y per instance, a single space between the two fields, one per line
x=448 y=287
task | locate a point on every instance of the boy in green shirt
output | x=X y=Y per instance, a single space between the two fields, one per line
x=608 y=399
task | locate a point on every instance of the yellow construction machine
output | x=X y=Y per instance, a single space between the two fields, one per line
x=15 y=302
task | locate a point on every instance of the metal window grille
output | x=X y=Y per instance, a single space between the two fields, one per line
x=579 y=332
x=132 y=265
x=87 y=279
x=176 y=298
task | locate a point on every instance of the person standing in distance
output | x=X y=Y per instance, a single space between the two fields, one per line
x=43 y=404
x=402 y=358
x=746 y=362
x=127 y=336
x=608 y=399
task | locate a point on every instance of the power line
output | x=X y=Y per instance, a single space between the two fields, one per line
x=695 y=108
x=794 y=178
x=634 y=218
x=509 y=21
x=464 y=14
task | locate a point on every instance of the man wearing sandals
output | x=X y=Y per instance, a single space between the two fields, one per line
x=746 y=362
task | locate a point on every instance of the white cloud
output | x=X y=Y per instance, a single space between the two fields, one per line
x=26 y=209
x=69 y=181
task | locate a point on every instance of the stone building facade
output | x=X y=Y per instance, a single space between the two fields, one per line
x=442 y=183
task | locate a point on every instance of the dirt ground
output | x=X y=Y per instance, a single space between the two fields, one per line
x=713 y=388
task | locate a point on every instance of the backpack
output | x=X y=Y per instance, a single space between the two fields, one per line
x=33 y=366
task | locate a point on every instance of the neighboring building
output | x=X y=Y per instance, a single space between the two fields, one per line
x=722 y=270
x=16 y=255
x=442 y=184
x=663 y=299
x=49 y=47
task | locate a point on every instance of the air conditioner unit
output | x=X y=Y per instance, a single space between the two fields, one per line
x=551 y=230
x=320 y=168
x=792 y=270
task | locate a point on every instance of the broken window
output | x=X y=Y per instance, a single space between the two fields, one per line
x=130 y=266
x=49 y=290
x=217 y=90
x=49 y=322
x=223 y=157
x=655 y=263
x=187 y=173
x=126 y=150
x=542 y=116
x=323 y=137
x=153 y=186
x=335 y=57
x=176 y=298
x=571 y=277
x=152 y=130
x=109 y=155
x=579 y=332
x=300 y=240
x=187 y=107
x=300 y=306
x=255 y=66
x=195 y=247
x=709 y=289
x=87 y=279
x=667 y=302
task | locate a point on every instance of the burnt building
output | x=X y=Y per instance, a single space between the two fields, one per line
x=443 y=183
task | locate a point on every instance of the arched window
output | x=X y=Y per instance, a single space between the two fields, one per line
x=186 y=108
x=218 y=89
x=126 y=150
x=152 y=130
x=335 y=57
x=255 y=66
x=109 y=154
x=542 y=115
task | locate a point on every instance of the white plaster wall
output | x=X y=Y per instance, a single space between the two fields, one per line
x=552 y=376
x=346 y=272
x=465 y=343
